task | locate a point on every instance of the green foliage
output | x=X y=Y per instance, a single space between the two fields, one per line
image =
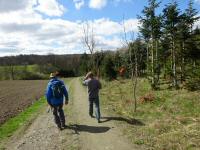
x=108 y=68
x=178 y=46
x=32 y=76
x=193 y=80
x=47 y=68
x=26 y=72
x=85 y=64
x=171 y=15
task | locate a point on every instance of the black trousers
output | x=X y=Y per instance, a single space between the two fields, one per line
x=59 y=117
x=94 y=101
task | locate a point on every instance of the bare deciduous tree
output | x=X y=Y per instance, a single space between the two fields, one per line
x=89 y=40
x=134 y=62
x=90 y=43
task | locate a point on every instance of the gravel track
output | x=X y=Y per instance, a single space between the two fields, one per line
x=83 y=132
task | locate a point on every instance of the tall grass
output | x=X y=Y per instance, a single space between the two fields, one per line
x=171 y=120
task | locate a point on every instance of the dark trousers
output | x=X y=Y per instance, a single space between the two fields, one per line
x=59 y=116
x=94 y=101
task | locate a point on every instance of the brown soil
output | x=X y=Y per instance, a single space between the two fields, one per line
x=15 y=96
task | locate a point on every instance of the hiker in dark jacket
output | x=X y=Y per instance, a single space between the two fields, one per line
x=93 y=92
x=55 y=93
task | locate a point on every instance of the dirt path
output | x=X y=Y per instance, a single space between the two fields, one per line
x=84 y=133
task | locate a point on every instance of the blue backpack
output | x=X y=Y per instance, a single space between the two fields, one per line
x=57 y=89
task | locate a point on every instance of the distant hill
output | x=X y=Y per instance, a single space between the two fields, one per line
x=62 y=61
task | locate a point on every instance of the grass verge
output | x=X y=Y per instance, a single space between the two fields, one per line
x=22 y=119
x=170 y=120
x=18 y=124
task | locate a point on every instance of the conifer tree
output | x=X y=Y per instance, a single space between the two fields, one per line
x=151 y=31
x=171 y=15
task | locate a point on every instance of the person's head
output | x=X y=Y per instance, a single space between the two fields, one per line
x=53 y=75
x=89 y=75
x=57 y=74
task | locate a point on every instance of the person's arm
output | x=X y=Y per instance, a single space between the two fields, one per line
x=65 y=93
x=48 y=94
x=85 y=82
x=99 y=85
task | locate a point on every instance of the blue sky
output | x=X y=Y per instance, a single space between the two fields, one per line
x=56 y=26
x=114 y=10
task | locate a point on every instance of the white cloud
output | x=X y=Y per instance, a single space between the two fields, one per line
x=197 y=24
x=198 y=1
x=9 y=5
x=15 y=5
x=28 y=32
x=131 y=25
x=50 y=7
x=42 y=36
x=107 y=27
x=79 y=3
x=97 y=4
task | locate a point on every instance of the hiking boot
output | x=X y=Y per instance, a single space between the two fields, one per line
x=64 y=126
x=60 y=129
x=92 y=116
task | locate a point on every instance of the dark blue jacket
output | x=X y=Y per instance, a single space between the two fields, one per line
x=93 y=87
x=49 y=94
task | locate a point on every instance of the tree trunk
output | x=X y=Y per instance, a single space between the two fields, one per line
x=134 y=75
x=182 y=69
x=194 y=64
x=135 y=82
x=147 y=59
x=93 y=68
x=156 y=48
x=158 y=67
x=153 y=66
x=164 y=69
x=12 y=72
x=172 y=56
x=98 y=72
x=174 y=66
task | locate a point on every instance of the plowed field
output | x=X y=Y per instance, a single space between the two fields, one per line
x=15 y=96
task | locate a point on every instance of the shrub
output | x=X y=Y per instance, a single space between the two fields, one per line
x=32 y=76
x=193 y=81
x=108 y=68
x=193 y=84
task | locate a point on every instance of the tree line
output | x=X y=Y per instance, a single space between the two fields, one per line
x=171 y=41
x=166 y=50
x=18 y=67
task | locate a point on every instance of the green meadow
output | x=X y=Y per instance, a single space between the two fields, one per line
x=165 y=119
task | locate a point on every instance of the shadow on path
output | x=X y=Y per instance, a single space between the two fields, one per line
x=129 y=121
x=85 y=128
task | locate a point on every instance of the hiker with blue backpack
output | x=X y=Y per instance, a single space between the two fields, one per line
x=55 y=93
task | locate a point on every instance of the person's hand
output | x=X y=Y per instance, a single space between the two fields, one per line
x=50 y=105
x=66 y=102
